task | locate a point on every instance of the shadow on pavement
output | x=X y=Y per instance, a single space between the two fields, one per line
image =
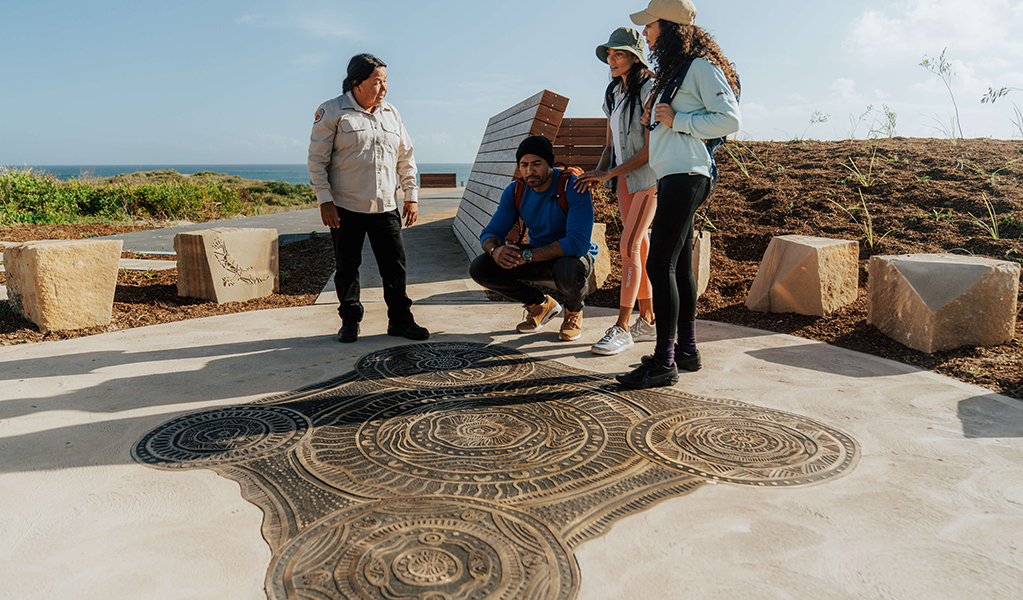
x=991 y=416
x=832 y=360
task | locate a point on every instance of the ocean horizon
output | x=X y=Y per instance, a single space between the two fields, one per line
x=296 y=173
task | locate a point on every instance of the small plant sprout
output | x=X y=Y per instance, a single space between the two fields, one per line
x=738 y=159
x=993 y=94
x=887 y=127
x=706 y=221
x=815 y=118
x=947 y=130
x=867 y=179
x=868 y=222
x=854 y=122
x=993 y=228
x=1017 y=122
x=744 y=157
x=943 y=69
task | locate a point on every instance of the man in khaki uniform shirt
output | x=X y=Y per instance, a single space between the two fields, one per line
x=358 y=153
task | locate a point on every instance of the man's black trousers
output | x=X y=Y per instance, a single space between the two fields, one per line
x=384 y=232
x=570 y=274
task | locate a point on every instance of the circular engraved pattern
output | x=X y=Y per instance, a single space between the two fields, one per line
x=221 y=437
x=507 y=445
x=427 y=566
x=423 y=549
x=749 y=446
x=445 y=364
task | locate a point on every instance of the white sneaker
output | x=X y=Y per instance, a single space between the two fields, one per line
x=642 y=331
x=614 y=341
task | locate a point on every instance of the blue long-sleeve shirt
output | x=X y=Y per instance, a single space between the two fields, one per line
x=705 y=108
x=546 y=222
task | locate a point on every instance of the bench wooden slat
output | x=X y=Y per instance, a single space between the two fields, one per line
x=437 y=180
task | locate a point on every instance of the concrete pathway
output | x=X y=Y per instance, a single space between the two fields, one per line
x=934 y=509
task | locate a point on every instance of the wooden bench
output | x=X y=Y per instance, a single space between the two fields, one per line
x=437 y=180
x=580 y=142
x=540 y=114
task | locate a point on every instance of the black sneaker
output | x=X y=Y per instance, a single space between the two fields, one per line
x=409 y=330
x=684 y=362
x=348 y=333
x=688 y=362
x=649 y=373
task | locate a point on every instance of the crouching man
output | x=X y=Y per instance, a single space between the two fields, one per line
x=559 y=221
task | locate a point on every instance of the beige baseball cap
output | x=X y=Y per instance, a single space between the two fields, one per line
x=676 y=11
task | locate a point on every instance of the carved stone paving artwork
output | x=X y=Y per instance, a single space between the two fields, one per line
x=451 y=471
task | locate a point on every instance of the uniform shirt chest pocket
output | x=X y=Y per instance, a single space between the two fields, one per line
x=354 y=133
x=390 y=135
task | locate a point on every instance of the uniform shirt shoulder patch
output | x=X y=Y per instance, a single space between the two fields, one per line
x=319 y=115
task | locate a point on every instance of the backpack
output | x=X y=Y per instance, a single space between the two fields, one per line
x=713 y=145
x=518 y=233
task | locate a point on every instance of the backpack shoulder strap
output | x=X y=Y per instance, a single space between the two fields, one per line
x=609 y=96
x=562 y=187
x=518 y=193
x=669 y=92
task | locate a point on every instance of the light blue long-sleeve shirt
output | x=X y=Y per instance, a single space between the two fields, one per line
x=705 y=108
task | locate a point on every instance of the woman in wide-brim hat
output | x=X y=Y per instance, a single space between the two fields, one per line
x=625 y=158
x=705 y=107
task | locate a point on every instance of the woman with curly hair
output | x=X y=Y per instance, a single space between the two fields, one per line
x=625 y=158
x=705 y=107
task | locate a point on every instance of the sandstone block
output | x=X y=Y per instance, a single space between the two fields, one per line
x=602 y=264
x=227 y=264
x=805 y=275
x=933 y=302
x=701 y=261
x=63 y=284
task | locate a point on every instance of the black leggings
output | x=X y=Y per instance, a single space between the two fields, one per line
x=670 y=263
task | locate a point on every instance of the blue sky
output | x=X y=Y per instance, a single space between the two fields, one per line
x=117 y=82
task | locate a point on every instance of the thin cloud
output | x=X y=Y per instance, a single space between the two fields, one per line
x=318 y=25
x=310 y=62
x=908 y=29
x=280 y=141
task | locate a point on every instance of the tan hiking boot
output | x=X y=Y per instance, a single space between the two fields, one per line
x=537 y=315
x=572 y=326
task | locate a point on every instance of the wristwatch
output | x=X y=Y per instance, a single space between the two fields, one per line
x=527 y=255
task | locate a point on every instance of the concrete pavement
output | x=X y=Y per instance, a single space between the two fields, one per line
x=934 y=509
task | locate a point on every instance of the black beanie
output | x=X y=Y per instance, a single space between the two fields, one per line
x=538 y=145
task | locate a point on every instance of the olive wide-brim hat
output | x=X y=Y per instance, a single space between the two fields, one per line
x=623 y=38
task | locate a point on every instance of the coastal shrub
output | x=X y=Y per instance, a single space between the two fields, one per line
x=30 y=197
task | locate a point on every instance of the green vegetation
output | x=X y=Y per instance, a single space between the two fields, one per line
x=943 y=69
x=815 y=118
x=862 y=179
x=992 y=229
x=868 y=222
x=743 y=156
x=28 y=196
x=886 y=127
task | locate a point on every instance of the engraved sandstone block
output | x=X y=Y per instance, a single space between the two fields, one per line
x=63 y=284
x=805 y=275
x=227 y=264
x=933 y=302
